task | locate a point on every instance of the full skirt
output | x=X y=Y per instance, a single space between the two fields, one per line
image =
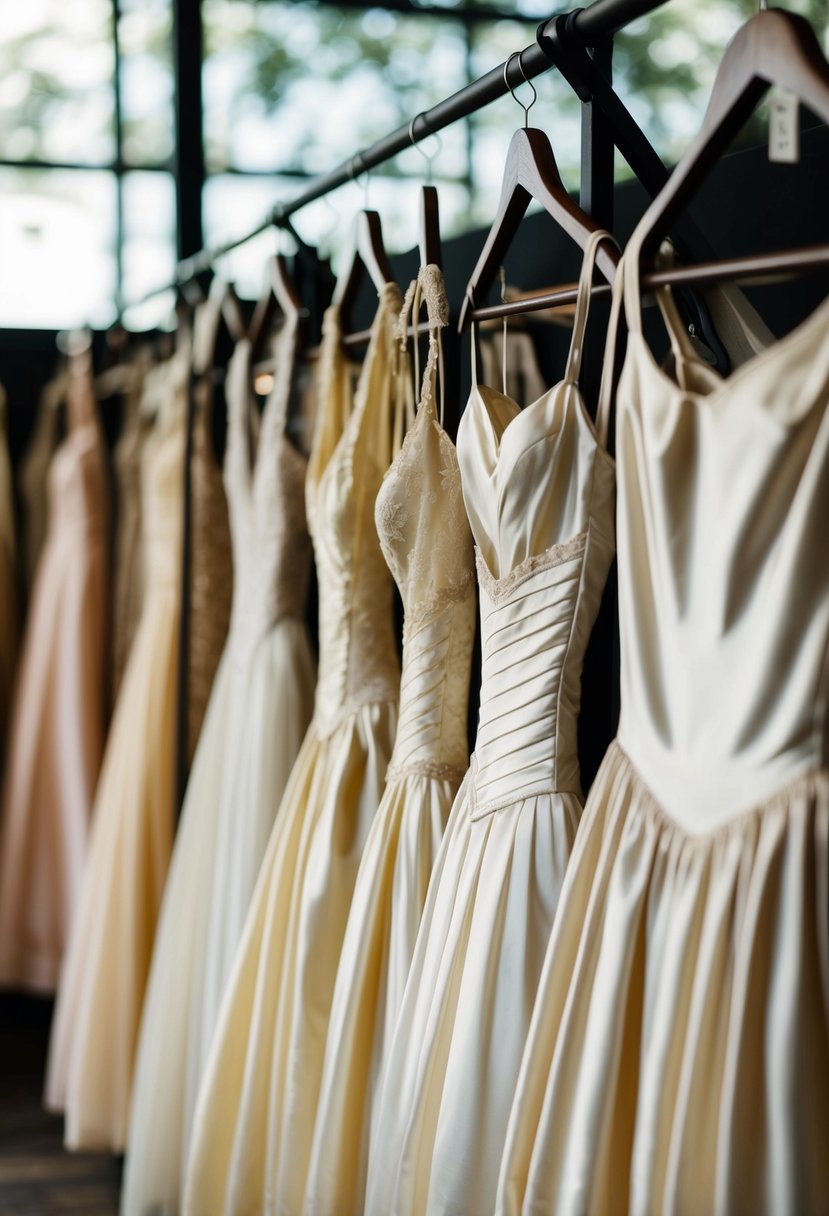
x=260 y=708
x=56 y=742
x=678 y=1059
x=255 y=1113
x=376 y=957
x=92 y=1048
x=448 y=1083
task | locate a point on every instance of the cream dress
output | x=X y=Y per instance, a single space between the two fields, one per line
x=255 y=1114
x=58 y=712
x=678 y=1060
x=539 y=495
x=425 y=536
x=101 y=989
x=259 y=710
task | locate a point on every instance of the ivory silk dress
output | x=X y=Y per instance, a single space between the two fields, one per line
x=255 y=1114
x=101 y=991
x=58 y=714
x=678 y=1060
x=425 y=536
x=259 y=710
x=539 y=495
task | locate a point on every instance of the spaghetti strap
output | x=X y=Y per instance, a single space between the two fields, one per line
x=607 y=385
x=573 y=368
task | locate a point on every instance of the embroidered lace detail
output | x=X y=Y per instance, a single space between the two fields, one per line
x=426 y=768
x=499 y=590
x=455 y=591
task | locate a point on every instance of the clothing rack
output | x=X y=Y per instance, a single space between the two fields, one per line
x=584 y=28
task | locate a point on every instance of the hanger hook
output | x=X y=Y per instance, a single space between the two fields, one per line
x=357 y=169
x=515 y=97
x=428 y=157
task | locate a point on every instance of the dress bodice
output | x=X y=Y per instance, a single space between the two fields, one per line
x=723 y=588
x=266 y=499
x=162 y=476
x=425 y=537
x=351 y=451
x=77 y=482
x=538 y=489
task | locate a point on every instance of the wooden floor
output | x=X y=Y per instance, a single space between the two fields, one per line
x=37 y=1178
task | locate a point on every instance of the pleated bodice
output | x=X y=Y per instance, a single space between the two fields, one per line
x=544 y=546
x=266 y=499
x=357 y=649
x=724 y=611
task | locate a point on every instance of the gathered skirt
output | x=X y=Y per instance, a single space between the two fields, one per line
x=449 y=1078
x=255 y=1112
x=259 y=711
x=678 y=1059
x=101 y=990
x=55 y=746
x=374 y=965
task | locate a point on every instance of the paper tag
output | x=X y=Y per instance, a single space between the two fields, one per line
x=784 y=128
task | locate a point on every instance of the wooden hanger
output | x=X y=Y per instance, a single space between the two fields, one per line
x=431 y=252
x=280 y=297
x=530 y=173
x=367 y=255
x=773 y=48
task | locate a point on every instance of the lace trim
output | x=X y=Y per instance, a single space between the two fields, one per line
x=425 y=768
x=454 y=592
x=501 y=589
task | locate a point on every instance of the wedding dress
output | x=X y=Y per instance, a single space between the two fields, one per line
x=259 y=710
x=425 y=536
x=678 y=1059
x=539 y=494
x=255 y=1113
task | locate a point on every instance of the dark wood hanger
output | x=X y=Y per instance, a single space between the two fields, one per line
x=431 y=252
x=530 y=173
x=280 y=298
x=773 y=48
x=367 y=255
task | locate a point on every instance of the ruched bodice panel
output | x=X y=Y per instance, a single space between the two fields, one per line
x=724 y=495
x=271 y=545
x=549 y=537
x=358 y=654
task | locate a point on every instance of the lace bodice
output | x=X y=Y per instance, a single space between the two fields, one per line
x=425 y=537
x=351 y=451
x=266 y=497
x=723 y=582
x=538 y=489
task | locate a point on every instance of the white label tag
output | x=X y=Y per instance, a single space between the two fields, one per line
x=784 y=128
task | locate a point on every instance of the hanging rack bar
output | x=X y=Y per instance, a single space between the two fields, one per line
x=590 y=26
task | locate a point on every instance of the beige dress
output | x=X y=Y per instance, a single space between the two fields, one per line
x=425 y=536
x=255 y=1114
x=538 y=490
x=101 y=991
x=259 y=711
x=678 y=1060
x=57 y=726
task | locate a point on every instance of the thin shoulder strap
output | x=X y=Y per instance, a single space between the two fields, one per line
x=573 y=368
x=608 y=367
x=237 y=395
